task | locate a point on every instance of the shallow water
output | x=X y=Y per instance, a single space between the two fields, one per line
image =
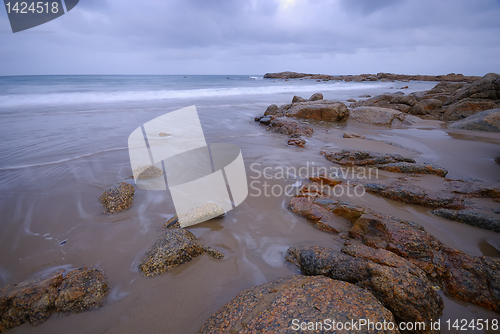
x=64 y=141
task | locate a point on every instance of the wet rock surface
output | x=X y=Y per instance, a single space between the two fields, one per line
x=413 y=194
x=364 y=158
x=33 y=301
x=470 y=217
x=414 y=168
x=470 y=278
x=408 y=296
x=300 y=142
x=289 y=127
x=119 y=197
x=271 y=307
x=174 y=248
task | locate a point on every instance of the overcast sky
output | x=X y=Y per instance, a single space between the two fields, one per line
x=259 y=36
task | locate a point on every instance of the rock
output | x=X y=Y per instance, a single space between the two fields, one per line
x=266 y=120
x=405 y=87
x=312 y=204
x=427 y=106
x=296 y=99
x=353 y=135
x=364 y=158
x=415 y=168
x=173 y=249
x=34 y=300
x=488 y=120
x=258 y=118
x=316 y=97
x=469 y=217
x=379 y=116
x=472 y=279
x=323 y=110
x=118 y=198
x=488 y=87
x=147 y=172
x=324 y=179
x=412 y=194
x=297 y=142
x=164 y=134
x=289 y=127
x=409 y=297
x=351 y=100
x=447 y=87
x=271 y=110
x=273 y=306
x=397 y=101
x=285 y=75
x=80 y=290
x=365 y=95
x=467 y=107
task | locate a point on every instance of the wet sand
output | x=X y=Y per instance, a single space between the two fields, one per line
x=52 y=218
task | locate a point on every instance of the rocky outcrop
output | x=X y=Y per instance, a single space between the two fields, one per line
x=273 y=306
x=406 y=293
x=364 y=158
x=174 y=248
x=118 y=198
x=33 y=301
x=470 y=217
x=469 y=278
x=488 y=120
x=289 y=127
x=465 y=108
x=452 y=77
x=381 y=116
x=487 y=87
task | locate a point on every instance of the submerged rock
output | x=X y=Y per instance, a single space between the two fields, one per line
x=273 y=306
x=414 y=168
x=35 y=300
x=408 y=296
x=364 y=158
x=412 y=194
x=118 y=198
x=469 y=217
x=173 y=249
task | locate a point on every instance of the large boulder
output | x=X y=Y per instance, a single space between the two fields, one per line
x=272 y=307
x=467 y=107
x=488 y=87
x=174 y=248
x=380 y=116
x=426 y=106
x=409 y=297
x=35 y=300
x=488 y=120
x=322 y=110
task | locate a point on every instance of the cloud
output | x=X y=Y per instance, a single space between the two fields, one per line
x=257 y=36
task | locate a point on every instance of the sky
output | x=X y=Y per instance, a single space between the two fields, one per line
x=258 y=36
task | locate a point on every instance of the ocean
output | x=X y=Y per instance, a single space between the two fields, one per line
x=64 y=141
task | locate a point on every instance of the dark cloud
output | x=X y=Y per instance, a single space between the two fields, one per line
x=256 y=36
